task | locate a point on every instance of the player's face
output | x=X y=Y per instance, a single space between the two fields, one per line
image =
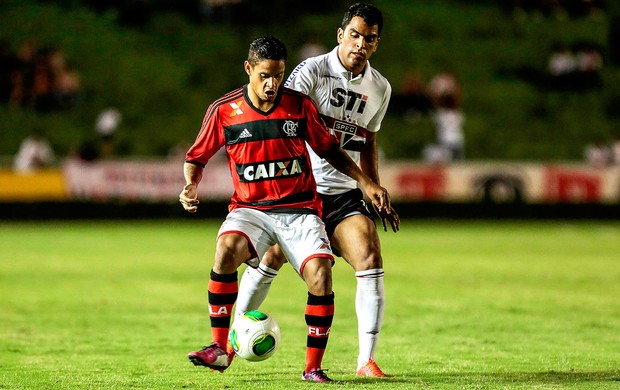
x=265 y=80
x=358 y=41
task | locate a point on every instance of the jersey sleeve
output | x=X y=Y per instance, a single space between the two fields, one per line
x=317 y=135
x=209 y=140
x=375 y=123
x=303 y=77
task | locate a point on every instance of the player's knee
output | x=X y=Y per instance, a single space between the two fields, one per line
x=231 y=249
x=228 y=243
x=318 y=276
x=370 y=260
x=273 y=259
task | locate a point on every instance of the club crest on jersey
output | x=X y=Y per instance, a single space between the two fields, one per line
x=290 y=128
x=345 y=127
x=346 y=130
x=236 y=108
x=269 y=170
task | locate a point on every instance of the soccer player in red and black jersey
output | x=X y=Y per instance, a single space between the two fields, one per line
x=264 y=128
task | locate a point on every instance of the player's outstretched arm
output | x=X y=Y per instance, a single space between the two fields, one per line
x=379 y=196
x=189 y=195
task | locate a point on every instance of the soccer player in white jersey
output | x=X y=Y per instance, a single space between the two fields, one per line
x=352 y=98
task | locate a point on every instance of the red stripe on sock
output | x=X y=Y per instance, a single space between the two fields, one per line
x=320 y=310
x=222 y=287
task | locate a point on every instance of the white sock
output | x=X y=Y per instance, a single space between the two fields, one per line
x=253 y=288
x=369 y=306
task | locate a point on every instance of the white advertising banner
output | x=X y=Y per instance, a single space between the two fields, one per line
x=502 y=182
x=496 y=182
x=141 y=180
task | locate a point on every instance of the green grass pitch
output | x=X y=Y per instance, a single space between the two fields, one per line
x=471 y=305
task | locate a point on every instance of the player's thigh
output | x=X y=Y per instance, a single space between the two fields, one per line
x=357 y=241
x=304 y=238
x=244 y=236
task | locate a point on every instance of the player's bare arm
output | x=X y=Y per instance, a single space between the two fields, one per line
x=189 y=195
x=340 y=160
x=369 y=162
x=369 y=157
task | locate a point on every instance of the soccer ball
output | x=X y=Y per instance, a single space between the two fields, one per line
x=255 y=336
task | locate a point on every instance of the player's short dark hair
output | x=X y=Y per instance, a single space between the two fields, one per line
x=371 y=15
x=266 y=48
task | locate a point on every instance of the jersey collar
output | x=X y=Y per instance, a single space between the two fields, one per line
x=276 y=102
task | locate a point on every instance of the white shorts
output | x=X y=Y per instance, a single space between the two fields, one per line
x=302 y=237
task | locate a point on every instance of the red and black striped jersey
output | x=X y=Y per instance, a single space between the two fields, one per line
x=267 y=154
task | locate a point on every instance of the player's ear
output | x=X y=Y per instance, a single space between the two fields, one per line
x=340 y=35
x=247 y=67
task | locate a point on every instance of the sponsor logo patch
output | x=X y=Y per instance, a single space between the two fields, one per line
x=236 y=108
x=269 y=170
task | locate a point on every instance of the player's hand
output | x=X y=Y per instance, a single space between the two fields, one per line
x=379 y=197
x=189 y=198
x=392 y=217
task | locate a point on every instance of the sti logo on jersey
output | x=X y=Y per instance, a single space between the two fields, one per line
x=269 y=170
x=341 y=96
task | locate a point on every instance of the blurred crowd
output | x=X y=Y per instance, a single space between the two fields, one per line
x=577 y=67
x=601 y=154
x=568 y=67
x=42 y=77
x=35 y=152
x=557 y=8
x=138 y=13
x=441 y=100
x=37 y=77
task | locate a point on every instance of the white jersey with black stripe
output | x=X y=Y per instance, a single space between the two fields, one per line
x=350 y=106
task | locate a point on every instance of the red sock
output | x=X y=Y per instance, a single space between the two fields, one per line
x=319 y=317
x=223 y=291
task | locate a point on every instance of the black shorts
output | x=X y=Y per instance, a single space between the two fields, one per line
x=338 y=207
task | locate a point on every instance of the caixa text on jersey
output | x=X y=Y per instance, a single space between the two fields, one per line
x=270 y=170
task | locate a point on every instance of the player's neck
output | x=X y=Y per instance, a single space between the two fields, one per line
x=262 y=105
x=258 y=103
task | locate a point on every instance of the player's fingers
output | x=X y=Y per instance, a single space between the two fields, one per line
x=183 y=198
x=189 y=204
x=395 y=225
x=394 y=220
x=388 y=202
x=191 y=209
x=381 y=198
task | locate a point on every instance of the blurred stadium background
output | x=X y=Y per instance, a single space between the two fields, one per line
x=158 y=64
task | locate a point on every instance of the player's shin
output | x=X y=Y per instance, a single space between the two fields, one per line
x=222 y=295
x=319 y=317
x=369 y=307
x=253 y=288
